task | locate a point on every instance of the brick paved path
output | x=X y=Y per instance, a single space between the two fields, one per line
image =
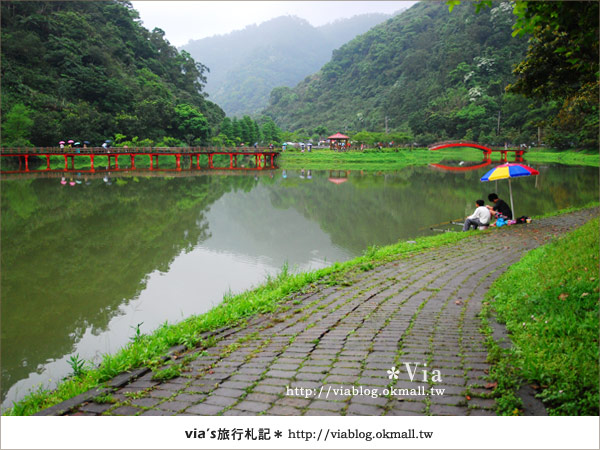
x=421 y=309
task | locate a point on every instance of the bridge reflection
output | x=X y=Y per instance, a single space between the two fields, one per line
x=487 y=150
x=447 y=168
x=101 y=173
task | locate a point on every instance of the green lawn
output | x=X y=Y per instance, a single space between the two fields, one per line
x=392 y=159
x=549 y=303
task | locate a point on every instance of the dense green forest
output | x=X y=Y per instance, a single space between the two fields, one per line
x=431 y=74
x=246 y=65
x=90 y=70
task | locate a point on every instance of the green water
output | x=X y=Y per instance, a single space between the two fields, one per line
x=84 y=265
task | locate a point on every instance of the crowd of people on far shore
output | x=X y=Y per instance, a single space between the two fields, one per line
x=484 y=214
x=303 y=146
x=71 y=144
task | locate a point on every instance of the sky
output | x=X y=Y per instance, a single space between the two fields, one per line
x=185 y=20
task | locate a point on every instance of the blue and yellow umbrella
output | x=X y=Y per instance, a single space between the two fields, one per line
x=509 y=170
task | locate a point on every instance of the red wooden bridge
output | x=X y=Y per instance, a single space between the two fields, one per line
x=263 y=158
x=487 y=151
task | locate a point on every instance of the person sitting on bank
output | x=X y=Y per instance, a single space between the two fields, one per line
x=500 y=208
x=480 y=217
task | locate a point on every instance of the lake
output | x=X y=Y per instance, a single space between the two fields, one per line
x=83 y=266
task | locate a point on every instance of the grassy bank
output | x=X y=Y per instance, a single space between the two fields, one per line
x=549 y=303
x=370 y=160
x=146 y=350
x=569 y=157
x=389 y=159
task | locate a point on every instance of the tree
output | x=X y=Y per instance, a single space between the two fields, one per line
x=226 y=127
x=191 y=124
x=17 y=126
x=366 y=137
x=236 y=130
x=321 y=131
x=562 y=59
x=89 y=70
x=561 y=62
x=270 y=131
x=402 y=137
x=191 y=73
x=247 y=130
x=256 y=131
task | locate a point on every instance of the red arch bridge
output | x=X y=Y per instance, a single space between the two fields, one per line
x=487 y=154
x=263 y=158
x=487 y=151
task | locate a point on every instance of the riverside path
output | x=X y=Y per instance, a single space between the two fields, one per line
x=347 y=334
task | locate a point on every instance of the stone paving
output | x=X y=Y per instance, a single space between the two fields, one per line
x=346 y=334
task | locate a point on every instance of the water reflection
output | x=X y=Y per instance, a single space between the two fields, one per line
x=83 y=265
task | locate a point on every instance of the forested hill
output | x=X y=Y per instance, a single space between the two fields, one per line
x=246 y=65
x=89 y=70
x=432 y=73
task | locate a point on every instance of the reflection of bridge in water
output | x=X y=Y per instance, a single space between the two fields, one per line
x=263 y=158
x=461 y=168
x=127 y=173
x=487 y=155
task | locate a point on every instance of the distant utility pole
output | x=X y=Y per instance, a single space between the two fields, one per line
x=386 y=124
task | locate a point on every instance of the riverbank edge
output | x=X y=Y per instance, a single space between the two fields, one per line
x=373 y=160
x=517 y=303
x=146 y=352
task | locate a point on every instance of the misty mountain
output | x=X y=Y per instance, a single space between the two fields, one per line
x=431 y=73
x=246 y=65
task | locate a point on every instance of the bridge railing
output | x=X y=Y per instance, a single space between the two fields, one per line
x=477 y=145
x=509 y=149
x=131 y=150
x=439 y=144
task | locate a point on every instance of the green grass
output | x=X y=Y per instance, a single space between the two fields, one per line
x=549 y=303
x=568 y=210
x=369 y=160
x=569 y=157
x=389 y=159
x=105 y=398
x=172 y=371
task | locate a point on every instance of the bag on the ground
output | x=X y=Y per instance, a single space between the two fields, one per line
x=523 y=219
